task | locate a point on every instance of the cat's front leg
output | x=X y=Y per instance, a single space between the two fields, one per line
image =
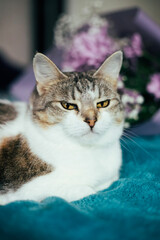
x=69 y=193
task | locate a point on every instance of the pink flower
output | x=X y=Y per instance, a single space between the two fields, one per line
x=154 y=85
x=135 y=47
x=89 y=49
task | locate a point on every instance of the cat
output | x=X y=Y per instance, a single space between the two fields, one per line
x=65 y=141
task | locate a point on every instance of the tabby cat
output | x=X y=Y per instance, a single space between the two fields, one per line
x=65 y=142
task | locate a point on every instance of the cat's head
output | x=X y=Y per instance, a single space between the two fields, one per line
x=84 y=105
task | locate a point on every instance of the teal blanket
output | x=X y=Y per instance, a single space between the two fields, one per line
x=129 y=209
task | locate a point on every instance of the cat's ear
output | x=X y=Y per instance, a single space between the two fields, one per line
x=110 y=68
x=46 y=72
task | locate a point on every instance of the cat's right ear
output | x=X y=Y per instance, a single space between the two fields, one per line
x=46 y=72
x=110 y=69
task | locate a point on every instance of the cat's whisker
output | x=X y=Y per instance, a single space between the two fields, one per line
x=128 y=149
x=131 y=133
x=134 y=142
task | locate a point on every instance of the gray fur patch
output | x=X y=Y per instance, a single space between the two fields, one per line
x=7 y=113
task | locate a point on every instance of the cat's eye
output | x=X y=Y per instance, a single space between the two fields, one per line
x=69 y=106
x=103 y=104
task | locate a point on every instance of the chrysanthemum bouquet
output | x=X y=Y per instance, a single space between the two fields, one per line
x=88 y=43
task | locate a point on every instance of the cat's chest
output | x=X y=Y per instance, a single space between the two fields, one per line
x=77 y=164
x=86 y=165
x=72 y=162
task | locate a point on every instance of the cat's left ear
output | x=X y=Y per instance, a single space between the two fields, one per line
x=110 y=68
x=46 y=72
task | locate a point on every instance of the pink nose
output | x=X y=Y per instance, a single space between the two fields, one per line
x=91 y=122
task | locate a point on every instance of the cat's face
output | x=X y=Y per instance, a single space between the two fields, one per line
x=86 y=106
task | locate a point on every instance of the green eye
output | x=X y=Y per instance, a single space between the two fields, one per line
x=69 y=106
x=103 y=104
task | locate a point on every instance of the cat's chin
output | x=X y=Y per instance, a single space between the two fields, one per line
x=96 y=138
x=90 y=133
x=89 y=138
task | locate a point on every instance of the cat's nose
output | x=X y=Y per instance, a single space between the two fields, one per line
x=91 y=122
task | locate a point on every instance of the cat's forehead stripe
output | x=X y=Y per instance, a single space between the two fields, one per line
x=85 y=87
x=81 y=83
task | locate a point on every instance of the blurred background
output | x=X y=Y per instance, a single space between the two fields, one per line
x=26 y=26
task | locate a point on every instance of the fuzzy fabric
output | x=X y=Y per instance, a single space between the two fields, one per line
x=128 y=210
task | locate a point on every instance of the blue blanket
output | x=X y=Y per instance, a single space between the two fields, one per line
x=129 y=209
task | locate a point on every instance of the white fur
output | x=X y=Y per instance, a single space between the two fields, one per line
x=84 y=162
